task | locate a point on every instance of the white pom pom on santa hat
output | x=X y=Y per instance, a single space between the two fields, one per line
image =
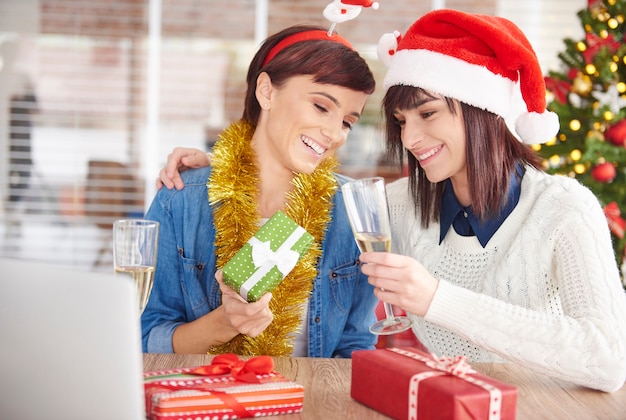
x=535 y=128
x=483 y=61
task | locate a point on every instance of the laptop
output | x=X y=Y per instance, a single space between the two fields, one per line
x=69 y=344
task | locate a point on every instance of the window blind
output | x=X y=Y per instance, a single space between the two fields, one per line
x=73 y=89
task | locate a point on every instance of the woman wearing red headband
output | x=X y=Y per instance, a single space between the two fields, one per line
x=305 y=91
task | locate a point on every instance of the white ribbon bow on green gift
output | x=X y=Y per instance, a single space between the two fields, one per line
x=262 y=255
x=284 y=258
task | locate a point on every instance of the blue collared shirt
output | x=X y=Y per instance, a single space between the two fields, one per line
x=341 y=306
x=465 y=222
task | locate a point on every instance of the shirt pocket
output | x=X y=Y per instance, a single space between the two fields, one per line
x=191 y=284
x=342 y=280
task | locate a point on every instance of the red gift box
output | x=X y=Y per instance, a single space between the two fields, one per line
x=406 y=383
x=228 y=388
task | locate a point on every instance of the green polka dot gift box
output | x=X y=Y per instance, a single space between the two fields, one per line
x=266 y=259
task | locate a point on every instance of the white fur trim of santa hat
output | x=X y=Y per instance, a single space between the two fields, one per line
x=483 y=61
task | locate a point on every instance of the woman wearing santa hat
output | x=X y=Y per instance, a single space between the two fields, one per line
x=493 y=258
x=306 y=88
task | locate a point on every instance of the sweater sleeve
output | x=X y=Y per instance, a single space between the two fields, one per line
x=583 y=342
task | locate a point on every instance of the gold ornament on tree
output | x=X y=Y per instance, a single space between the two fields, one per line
x=598 y=10
x=595 y=135
x=582 y=84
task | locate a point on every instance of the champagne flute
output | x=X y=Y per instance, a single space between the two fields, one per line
x=366 y=204
x=135 y=243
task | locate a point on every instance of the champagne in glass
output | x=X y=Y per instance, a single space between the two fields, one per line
x=135 y=243
x=366 y=204
x=373 y=243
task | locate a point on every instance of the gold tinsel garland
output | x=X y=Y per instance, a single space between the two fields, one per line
x=233 y=194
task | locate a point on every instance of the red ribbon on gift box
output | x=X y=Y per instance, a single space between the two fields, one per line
x=245 y=371
x=456 y=366
x=444 y=365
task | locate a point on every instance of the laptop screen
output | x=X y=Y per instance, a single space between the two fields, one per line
x=70 y=344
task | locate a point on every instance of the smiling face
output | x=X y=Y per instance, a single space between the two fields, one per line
x=303 y=122
x=435 y=136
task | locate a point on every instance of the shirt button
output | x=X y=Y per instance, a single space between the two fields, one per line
x=317 y=319
x=465 y=214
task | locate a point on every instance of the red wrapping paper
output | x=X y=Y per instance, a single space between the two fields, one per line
x=228 y=388
x=383 y=380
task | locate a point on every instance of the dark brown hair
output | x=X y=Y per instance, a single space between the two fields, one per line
x=329 y=62
x=492 y=153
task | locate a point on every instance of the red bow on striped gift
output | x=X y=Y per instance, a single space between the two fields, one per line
x=241 y=370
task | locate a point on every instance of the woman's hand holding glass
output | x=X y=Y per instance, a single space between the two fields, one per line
x=366 y=204
x=400 y=280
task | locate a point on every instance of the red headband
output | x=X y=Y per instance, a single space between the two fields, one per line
x=303 y=36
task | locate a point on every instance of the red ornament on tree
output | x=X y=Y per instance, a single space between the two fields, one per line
x=616 y=133
x=604 y=172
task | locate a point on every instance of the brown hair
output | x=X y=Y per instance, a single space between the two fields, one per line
x=492 y=153
x=329 y=62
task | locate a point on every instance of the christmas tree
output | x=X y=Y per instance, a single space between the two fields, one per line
x=589 y=96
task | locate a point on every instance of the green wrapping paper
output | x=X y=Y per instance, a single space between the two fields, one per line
x=266 y=259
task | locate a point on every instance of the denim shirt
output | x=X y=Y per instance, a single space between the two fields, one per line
x=341 y=305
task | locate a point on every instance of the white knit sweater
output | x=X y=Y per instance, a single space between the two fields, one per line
x=545 y=291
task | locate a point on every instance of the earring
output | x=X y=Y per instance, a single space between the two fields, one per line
x=265 y=105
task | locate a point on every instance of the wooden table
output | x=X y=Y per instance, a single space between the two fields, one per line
x=327 y=389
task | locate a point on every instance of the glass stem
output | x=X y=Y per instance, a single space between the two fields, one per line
x=389 y=316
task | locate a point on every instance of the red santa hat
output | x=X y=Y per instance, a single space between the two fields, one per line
x=483 y=61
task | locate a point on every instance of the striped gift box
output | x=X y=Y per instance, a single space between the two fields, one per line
x=178 y=394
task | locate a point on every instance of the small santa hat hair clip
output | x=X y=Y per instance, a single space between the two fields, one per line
x=343 y=10
x=387 y=46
